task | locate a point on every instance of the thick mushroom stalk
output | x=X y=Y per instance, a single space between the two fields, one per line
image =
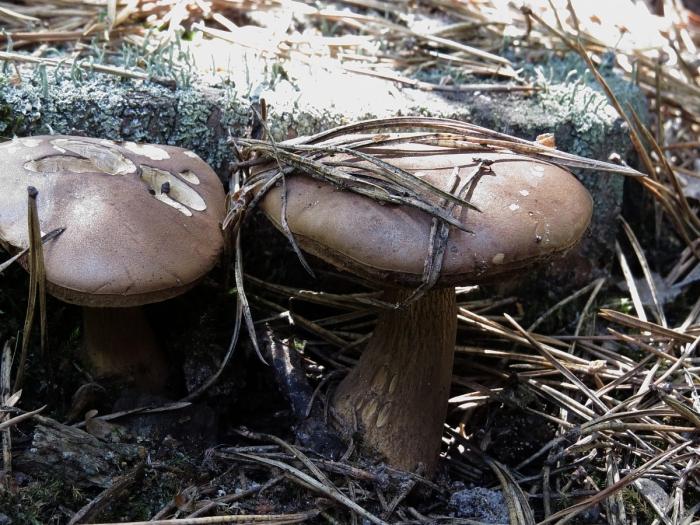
x=397 y=394
x=119 y=343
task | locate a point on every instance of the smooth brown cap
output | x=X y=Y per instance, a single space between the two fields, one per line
x=531 y=211
x=142 y=222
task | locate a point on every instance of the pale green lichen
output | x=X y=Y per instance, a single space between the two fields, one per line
x=304 y=101
x=571 y=94
x=105 y=106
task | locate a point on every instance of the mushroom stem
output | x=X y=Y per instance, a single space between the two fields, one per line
x=119 y=343
x=398 y=392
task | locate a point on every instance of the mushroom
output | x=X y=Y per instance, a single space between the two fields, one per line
x=142 y=225
x=530 y=212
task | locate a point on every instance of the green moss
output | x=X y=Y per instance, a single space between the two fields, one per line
x=636 y=504
x=155 y=491
x=40 y=502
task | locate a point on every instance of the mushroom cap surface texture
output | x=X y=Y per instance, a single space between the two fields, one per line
x=142 y=222
x=531 y=211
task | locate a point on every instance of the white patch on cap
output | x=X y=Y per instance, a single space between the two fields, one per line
x=29 y=142
x=189 y=176
x=147 y=150
x=104 y=159
x=191 y=154
x=498 y=258
x=61 y=164
x=180 y=196
x=58 y=148
x=524 y=193
x=162 y=197
x=538 y=170
x=513 y=207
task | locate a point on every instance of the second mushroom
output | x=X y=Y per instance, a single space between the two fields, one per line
x=142 y=225
x=530 y=211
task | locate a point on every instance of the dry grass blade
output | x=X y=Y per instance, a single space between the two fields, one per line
x=47 y=237
x=108 y=496
x=5 y=392
x=283 y=215
x=303 y=322
x=353 y=301
x=224 y=362
x=564 y=302
x=247 y=315
x=37 y=285
x=258 y=519
x=98 y=68
x=633 y=322
x=9 y=13
x=150 y=409
x=476 y=135
x=19 y=419
x=349 y=182
x=316 y=485
x=631 y=284
x=406 y=179
x=681 y=362
x=437 y=245
x=561 y=368
x=569 y=513
x=288 y=232
x=682 y=409
x=615 y=505
x=320 y=476
x=519 y=509
x=230 y=498
x=646 y=270
x=428 y=86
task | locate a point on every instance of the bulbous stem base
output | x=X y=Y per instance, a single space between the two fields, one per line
x=397 y=394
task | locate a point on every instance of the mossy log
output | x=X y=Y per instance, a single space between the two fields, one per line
x=73 y=456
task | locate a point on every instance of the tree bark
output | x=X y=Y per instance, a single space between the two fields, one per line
x=398 y=391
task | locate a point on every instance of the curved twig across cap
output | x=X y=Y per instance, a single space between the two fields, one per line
x=142 y=221
x=529 y=211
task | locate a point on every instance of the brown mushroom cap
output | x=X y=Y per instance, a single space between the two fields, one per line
x=530 y=211
x=142 y=221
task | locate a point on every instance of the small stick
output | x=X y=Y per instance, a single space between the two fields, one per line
x=99 y=68
x=5 y=386
x=22 y=417
x=312 y=483
x=288 y=370
x=277 y=519
x=47 y=237
x=107 y=497
x=230 y=498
